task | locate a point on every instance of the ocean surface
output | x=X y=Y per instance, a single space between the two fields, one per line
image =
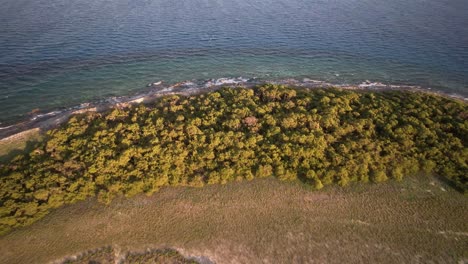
x=58 y=53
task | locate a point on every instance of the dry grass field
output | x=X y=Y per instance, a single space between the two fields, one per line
x=420 y=220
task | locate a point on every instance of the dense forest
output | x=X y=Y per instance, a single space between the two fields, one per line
x=319 y=136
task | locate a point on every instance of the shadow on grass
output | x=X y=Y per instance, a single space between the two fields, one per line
x=19 y=150
x=308 y=184
x=451 y=184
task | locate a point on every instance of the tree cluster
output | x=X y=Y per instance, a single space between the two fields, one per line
x=319 y=136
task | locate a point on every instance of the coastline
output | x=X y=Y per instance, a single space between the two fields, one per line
x=46 y=121
x=317 y=136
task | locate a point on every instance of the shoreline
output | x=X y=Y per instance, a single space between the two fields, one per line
x=46 y=121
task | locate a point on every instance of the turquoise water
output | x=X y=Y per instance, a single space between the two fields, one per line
x=57 y=53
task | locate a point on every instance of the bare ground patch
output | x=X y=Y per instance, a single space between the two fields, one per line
x=114 y=255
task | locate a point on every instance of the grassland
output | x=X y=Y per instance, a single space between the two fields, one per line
x=419 y=220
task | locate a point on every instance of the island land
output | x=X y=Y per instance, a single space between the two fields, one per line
x=232 y=142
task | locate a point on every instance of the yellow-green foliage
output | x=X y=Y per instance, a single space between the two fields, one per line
x=317 y=136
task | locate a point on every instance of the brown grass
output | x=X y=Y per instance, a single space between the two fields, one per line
x=263 y=221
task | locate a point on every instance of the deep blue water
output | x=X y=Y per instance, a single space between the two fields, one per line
x=59 y=53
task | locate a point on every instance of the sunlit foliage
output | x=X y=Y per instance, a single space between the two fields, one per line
x=317 y=136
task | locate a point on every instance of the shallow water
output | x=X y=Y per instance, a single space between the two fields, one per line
x=57 y=53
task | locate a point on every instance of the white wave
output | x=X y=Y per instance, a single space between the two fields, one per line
x=224 y=81
x=188 y=83
x=369 y=84
x=155 y=83
x=168 y=89
x=53 y=113
x=3 y=128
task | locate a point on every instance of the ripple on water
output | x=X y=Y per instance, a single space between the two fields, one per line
x=57 y=54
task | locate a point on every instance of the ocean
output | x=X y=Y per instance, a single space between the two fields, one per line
x=56 y=54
